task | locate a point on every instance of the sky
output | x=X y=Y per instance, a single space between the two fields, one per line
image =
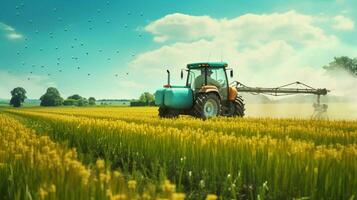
x=119 y=49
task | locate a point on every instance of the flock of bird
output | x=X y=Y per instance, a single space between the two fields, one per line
x=52 y=35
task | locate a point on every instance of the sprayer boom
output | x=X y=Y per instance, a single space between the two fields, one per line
x=300 y=88
x=282 y=90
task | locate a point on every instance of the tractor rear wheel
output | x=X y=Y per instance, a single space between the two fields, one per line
x=207 y=105
x=167 y=113
x=237 y=108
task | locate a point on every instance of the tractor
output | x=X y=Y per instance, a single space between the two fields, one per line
x=208 y=93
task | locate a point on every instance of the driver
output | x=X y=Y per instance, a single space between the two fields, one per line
x=200 y=80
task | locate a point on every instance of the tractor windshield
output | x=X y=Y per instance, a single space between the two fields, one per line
x=216 y=76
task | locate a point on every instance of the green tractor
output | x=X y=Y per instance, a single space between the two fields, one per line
x=206 y=94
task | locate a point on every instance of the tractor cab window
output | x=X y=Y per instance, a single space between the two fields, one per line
x=219 y=77
x=216 y=77
x=192 y=75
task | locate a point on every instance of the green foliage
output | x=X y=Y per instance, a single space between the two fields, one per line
x=91 y=101
x=18 y=96
x=51 y=98
x=343 y=63
x=146 y=98
x=75 y=97
x=82 y=102
x=70 y=102
x=75 y=101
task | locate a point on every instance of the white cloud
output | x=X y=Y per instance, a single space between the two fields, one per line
x=247 y=29
x=183 y=27
x=343 y=23
x=10 y=32
x=265 y=50
x=35 y=87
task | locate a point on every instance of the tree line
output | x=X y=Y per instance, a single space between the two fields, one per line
x=52 y=97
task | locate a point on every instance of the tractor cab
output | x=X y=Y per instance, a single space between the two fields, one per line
x=206 y=93
x=202 y=76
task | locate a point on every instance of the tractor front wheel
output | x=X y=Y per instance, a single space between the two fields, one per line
x=167 y=113
x=207 y=105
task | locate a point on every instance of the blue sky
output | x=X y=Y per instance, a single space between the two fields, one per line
x=118 y=49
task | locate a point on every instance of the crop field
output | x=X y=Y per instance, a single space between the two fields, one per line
x=130 y=153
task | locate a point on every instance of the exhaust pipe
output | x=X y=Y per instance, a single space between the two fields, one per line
x=168 y=79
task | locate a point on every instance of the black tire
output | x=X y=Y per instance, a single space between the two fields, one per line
x=238 y=107
x=167 y=113
x=201 y=100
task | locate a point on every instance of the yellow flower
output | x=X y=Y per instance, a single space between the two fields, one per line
x=132 y=184
x=42 y=193
x=52 y=188
x=168 y=187
x=118 y=197
x=178 y=196
x=100 y=164
x=116 y=174
x=211 y=197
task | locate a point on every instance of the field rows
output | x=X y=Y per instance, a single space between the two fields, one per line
x=233 y=158
x=319 y=132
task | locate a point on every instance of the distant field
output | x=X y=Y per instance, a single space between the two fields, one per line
x=232 y=158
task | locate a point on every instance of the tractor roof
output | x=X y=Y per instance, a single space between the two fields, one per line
x=207 y=64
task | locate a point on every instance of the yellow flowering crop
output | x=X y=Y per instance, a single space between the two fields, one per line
x=229 y=157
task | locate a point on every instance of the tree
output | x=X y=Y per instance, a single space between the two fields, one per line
x=343 y=63
x=82 y=102
x=91 y=101
x=147 y=98
x=51 y=98
x=75 y=97
x=18 y=96
x=70 y=102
